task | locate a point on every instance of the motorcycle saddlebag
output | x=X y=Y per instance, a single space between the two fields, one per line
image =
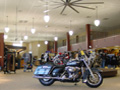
x=43 y=69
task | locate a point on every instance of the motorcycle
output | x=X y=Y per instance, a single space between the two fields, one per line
x=73 y=71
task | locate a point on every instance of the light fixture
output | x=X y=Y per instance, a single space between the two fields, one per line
x=46 y=42
x=97 y=21
x=7 y=28
x=33 y=29
x=46 y=17
x=55 y=38
x=70 y=33
x=25 y=37
x=17 y=44
x=5 y=36
x=21 y=41
x=38 y=45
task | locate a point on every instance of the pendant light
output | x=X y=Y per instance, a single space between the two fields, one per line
x=55 y=38
x=46 y=42
x=70 y=32
x=7 y=28
x=5 y=36
x=97 y=21
x=26 y=36
x=33 y=29
x=46 y=17
x=38 y=45
x=21 y=41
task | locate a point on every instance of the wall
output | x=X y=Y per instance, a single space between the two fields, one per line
x=107 y=42
x=62 y=49
x=37 y=51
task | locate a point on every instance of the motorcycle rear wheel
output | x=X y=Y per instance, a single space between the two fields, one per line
x=94 y=82
x=46 y=82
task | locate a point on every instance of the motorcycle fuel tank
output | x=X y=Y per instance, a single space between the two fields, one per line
x=73 y=63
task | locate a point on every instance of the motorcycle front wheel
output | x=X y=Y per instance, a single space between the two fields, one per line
x=94 y=82
x=46 y=82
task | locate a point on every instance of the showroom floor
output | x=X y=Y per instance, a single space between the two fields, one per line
x=24 y=81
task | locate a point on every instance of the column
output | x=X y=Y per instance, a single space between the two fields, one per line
x=2 y=49
x=68 y=42
x=88 y=41
x=55 y=46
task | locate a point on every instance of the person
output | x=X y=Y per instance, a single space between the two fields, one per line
x=26 y=58
x=18 y=59
x=103 y=56
x=114 y=61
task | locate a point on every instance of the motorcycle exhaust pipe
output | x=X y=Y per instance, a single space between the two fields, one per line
x=38 y=77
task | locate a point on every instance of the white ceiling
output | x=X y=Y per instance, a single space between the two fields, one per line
x=59 y=23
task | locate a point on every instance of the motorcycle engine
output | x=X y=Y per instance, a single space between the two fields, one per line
x=73 y=72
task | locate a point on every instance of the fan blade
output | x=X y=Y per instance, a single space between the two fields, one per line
x=56 y=2
x=91 y=3
x=63 y=9
x=63 y=1
x=84 y=7
x=76 y=1
x=73 y=8
x=69 y=0
x=59 y=6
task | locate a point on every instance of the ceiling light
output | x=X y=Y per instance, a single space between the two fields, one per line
x=25 y=37
x=46 y=18
x=5 y=36
x=17 y=44
x=32 y=30
x=7 y=28
x=70 y=33
x=46 y=42
x=97 y=21
x=46 y=11
x=55 y=38
x=38 y=45
x=30 y=51
x=21 y=41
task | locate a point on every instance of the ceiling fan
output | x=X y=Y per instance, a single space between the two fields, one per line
x=76 y=3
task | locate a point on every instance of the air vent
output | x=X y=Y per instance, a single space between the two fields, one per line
x=105 y=18
x=88 y=17
x=64 y=14
x=23 y=21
